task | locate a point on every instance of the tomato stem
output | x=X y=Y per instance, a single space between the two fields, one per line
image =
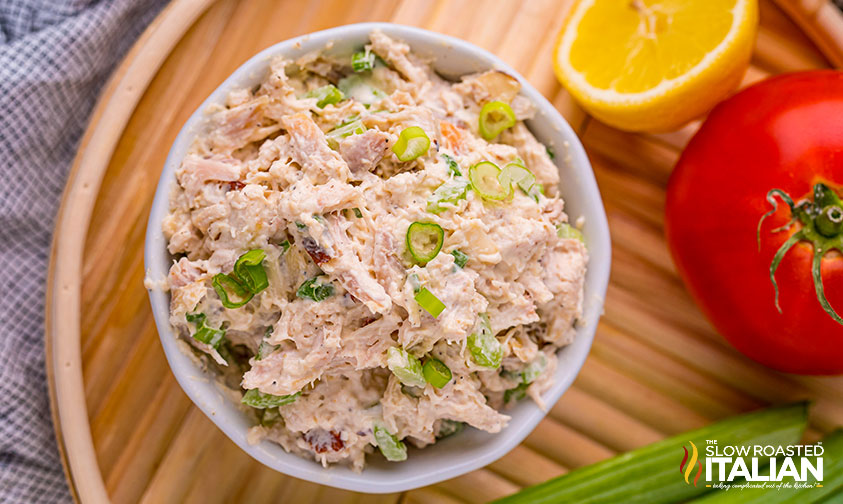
x=822 y=226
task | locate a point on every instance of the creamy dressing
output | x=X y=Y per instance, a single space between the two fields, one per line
x=269 y=175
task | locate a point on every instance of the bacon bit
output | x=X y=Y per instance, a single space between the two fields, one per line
x=321 y=440
x=236 y=185
x=453 y=136
x=317 y=253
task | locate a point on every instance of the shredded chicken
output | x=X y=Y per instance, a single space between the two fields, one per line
x=328 y=211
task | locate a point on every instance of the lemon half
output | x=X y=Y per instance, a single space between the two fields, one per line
x=652 y=65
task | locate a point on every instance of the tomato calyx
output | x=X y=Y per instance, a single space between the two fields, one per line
x=821 y=224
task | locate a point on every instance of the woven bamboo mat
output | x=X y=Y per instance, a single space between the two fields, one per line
x=657 y=368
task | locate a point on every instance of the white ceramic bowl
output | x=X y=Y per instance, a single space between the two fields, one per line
x=452 y=456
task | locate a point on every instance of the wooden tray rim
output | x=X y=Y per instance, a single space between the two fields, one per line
x=62 y=318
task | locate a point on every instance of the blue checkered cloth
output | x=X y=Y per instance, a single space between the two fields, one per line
x=55 y=56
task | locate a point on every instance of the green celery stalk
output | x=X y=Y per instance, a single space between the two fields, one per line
x=651 y=474
x=832 y=483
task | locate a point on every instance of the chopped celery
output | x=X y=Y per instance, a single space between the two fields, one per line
x=569 y=232
x=414 y=282
x=325 y=95
x=361 y=89
x=362 y=61
x=405 y=366
x=534 y=369
x=257 y=399
x=485 y=348
x=354 y=127
x=515 y=394
x=390 y=446
x=449 y=192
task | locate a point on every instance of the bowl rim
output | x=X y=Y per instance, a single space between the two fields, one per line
x=205 y=394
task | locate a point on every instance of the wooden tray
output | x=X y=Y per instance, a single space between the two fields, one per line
x=128 y=433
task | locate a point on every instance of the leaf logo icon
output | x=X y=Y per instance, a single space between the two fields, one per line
x=686 y=467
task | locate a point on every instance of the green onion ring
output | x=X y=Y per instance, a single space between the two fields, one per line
x=424 y=241
x=412 y=143
x=495 y=117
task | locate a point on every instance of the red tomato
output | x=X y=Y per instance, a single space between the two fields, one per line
x=784 y=133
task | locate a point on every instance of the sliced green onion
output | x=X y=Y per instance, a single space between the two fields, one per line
x=429 y=302
x=229 y=287
x=362 y=61
x=257 y=399
x=301 y=226
x=205 y=334
x=453 y=166
x=390 y=446
x=485 y=179
x=361 y=89
x=485 y=348
x=424 y=241
x=325 y=95
x=436 y=372
x=448 y=427
x=249 y=269
x=515 y=394
x=459 y=258
x=534 y=369
x=412 y=143
x=649 y=474
x=346 y=129
x=449 y=192
x=518 y=174
x=569 y=232
x=495 y=117
x=264 y=349
x=357 y=212
x=414 y=282
x=270 y=417
x=535 y=191
x=550 y=152
x=285 y=245
x=405 y=366
x=314 y=290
